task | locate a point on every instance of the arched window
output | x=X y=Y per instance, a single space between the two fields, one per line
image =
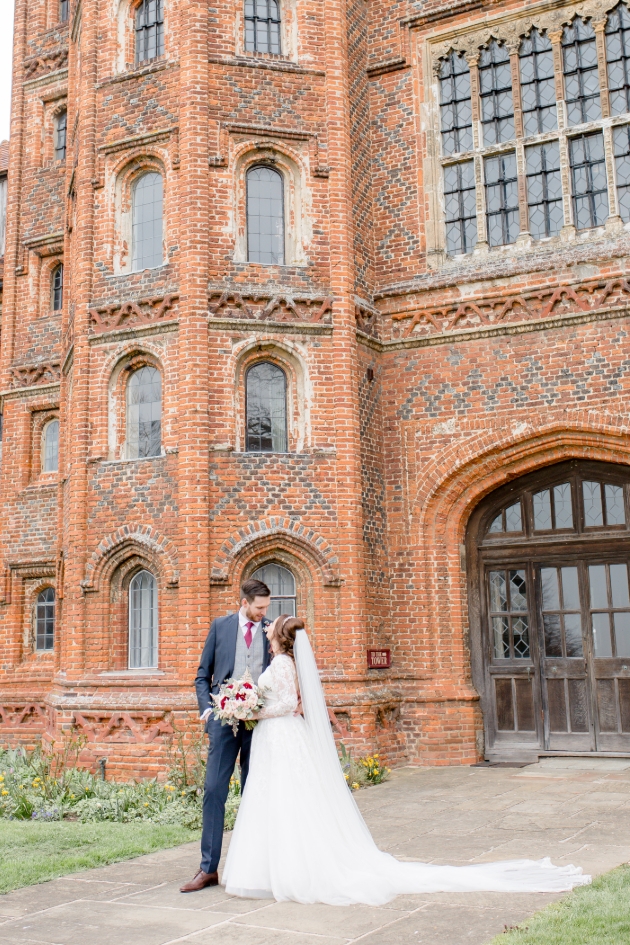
x=262 y=26
x=146 y=235
x=455 y=104
x=143 y=621
x=56 y=288
x=581 y=76
x=149 y=30
x=281 y=583
x=61 y=127
x=50 y=458
x=144 y=413
x=618 y=58
x=265 y=216
x=550 y=610
x=266 y=408
x=495 y=91
x=45 y=619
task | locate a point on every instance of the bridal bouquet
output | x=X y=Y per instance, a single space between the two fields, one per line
x=237 y=701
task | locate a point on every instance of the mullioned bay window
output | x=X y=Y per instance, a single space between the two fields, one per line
x=534 y=133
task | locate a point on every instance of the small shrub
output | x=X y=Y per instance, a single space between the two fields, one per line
x=363 y=772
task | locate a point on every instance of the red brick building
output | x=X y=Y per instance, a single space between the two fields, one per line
x=335 y=291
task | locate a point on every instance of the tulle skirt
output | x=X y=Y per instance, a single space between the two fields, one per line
x=297 y=839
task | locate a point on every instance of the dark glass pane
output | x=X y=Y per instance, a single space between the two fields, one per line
x=262 y=26
x=593 y=515
x=266 y=409
x=45 y=620
x=553 y=635
x=265 y=216
x=497 y=524
x=147 y=222
x=570 y=589
x=549 y=584
x=597 y=580
x=513 y=520
x=61 y=125
x=144 y=413
x=618 y=59
x=563 y=505
x=602 y=645
x=51 y=446
x=619 y=585
x=501 y=636
x=520 y=634
x=281 y=583
x=615 y=512
x=622 y=634
x=518 y=591
x=573 y=635
x=537 y=84
x=143 y=624
x=542 y=510
x=57 y=288
x=149 y=30
x=460 y=206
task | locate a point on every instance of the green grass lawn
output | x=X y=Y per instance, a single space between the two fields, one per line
x=592 y=915
x=35 y=852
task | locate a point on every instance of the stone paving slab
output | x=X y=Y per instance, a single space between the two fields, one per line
x=573 y=810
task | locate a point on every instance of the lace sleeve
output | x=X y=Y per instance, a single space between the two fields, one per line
x=283 y=698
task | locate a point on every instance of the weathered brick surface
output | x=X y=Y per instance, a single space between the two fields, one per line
x=414 y=389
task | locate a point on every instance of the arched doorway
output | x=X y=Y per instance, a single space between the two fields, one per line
x=549 y=559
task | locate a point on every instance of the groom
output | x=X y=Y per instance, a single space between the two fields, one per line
x=236 y=643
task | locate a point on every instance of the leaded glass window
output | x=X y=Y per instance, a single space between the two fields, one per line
x=538 y=87
x=544 y=189
x=143 y=621
x=509 y=615
x=281 y=583
x=266 y=409
x=495 y=89
x=618 y=59
x=509 y=519
x=149 y=30
x=581 y=77
x=502 y=213
x=56 y=288
x=262 y=26
x=265 y=216
x=610 y=610
x=460 y=207
x=621 y=144
x=146 y=224
x=144 y=413
x=455 y=104
x=603 y=504
x=51 y=447
x=64 y=10
x=553 y=508
x=588 y=175
x=45 y=620
x=61 y=126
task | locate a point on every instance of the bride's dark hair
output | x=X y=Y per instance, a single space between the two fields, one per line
x=286 y=628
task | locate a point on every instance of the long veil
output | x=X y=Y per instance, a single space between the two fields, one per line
x=355 y=869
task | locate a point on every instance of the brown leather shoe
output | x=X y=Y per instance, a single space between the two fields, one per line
x=200 y=880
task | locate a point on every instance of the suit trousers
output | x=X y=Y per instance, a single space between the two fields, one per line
x=222 y=754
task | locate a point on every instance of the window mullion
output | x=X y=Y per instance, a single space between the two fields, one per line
x=524 y=233
x=480 y=193
x=600 y=26
x=473 y=63
x=569 y=229
x=614 y=220
x=516 y=89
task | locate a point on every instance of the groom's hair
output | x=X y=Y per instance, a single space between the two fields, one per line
x=254 y=588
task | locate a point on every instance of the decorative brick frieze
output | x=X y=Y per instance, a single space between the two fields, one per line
x=51 y=61
x=23 y=714
x=47 y=372
x=277 y=308
x=509 y=307
x=140 y=727
x=131 y=314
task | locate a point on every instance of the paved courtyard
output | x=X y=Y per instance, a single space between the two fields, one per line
x=574 y=810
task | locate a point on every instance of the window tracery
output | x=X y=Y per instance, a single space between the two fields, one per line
x=534 y=86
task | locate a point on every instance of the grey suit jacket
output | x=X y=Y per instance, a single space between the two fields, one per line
x=217 y=659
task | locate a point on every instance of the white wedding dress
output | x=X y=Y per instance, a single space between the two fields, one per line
x=299 y=834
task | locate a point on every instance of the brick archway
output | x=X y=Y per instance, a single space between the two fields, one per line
x=115 y=547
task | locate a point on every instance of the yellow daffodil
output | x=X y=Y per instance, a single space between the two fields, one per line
x=1 y=777
x=355 y=786
x=146 y=805
x=4 y=793
x=183 y=792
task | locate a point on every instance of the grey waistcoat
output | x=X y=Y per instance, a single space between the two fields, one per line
x=251 y=659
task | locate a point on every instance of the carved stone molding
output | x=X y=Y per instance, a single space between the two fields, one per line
x=138 y=727
x=511 y=30
x=28 y=375
x=276 y=308
x=505 y=308
x=366 y=318
x=128 y=314
x=29 y=714
x=46 y=62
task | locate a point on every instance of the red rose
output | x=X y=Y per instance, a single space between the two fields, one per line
x=247 y=685
x=223 y=701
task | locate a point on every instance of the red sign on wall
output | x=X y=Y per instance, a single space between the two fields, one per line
x=379 y=659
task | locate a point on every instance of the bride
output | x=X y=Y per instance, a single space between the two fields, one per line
x=299 y=834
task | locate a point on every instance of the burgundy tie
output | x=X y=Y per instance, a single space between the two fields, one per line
x=248 y=634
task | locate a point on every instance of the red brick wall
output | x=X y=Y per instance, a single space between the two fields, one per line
x=414 y=389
